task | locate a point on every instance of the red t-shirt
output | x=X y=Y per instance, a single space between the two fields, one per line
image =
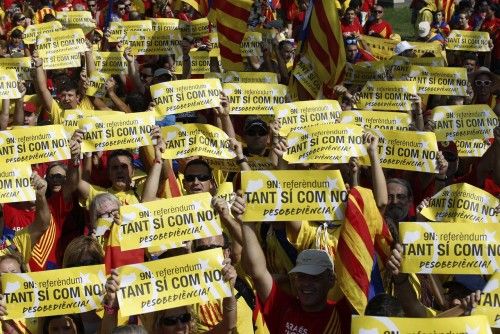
x=283 y=314
x=383 y=29
x=354 y=27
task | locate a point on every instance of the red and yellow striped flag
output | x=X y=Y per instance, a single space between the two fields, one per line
x=364 y=233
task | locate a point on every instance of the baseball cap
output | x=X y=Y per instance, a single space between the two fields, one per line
x=402 y=47
x=250 y=122
x=160 y=72
x=312 y=262
x=423 y=28
x=29 y=107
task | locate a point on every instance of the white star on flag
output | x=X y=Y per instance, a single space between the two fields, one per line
x=332 y=183
x=425 y=145
x=204 y=264
x=490 y=236
x=350 y=131
x=85 y=278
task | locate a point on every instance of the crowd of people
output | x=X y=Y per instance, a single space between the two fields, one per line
x=283 y=282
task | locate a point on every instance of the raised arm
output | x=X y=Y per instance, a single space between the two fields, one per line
x=19 y=107
x=229 y=304
x=222 y=116
x=151 y=185
x=133 y=72
x=41 y=82
x=42 y=211
x=4 y=116
x=74 y=172
x=377 y=174
x=110 y=87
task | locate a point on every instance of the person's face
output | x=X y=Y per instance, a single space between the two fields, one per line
x=439 y=17
x=96 y=38
x=146 y=75
x=128 y=6
x=175 y=321
x=287 y=52
x=92 y=6
x=210 y=243
x=256 y=138
x=62 y=325
x=10 y=266
x=30 y=118
x=197 y=179
x=16 y=41
x=351 y=52
x=312 y=290
x=399 y=201
x=462 y=21
x=470 y=65
x=350 y=15
x=378 y=12
x=120 y=10
x=69 y=99
x=120 y=172
x=56 y=178
x=482 y=85
x=22 y=21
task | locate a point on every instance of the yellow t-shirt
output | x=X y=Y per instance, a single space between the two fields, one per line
x=22 y=242
x=56 y=110
x=210 y=314
x=125 y=197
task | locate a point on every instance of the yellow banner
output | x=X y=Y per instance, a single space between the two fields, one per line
x=77 y=19
x=464 y=122
x=251 y=44
x=39 y=144
x=180 y=96
x=213 y=41
x=377 y=120
x=329 y=143
x=462 y=202
x=53 y=292
x=267 y=34
x=21 y=65
x=437 y=80
x=172 y=282
x=199 y=28
x=254 y=98
x=293 y=195
x=187 y=140
x=70 y=117
x=301 y=114
x=105 y=133
x=380 y=48
x=200 y=62
x=406 y=150
x=387 y=95
x=383 y=325
x=96 y=83
x=452 y=248
x=119 y=30
x=15 y=183
x=165 y=24
x=61 y=49
x=435 y=48
x=168 y=222
x=489 y=305
x=110 y=62
x=34 y=30
x=153 y=43
x=462 y=40
x=399 y=65
x=361 y=73
x=472 y=148
x=245 y=77
x=305 y=74
x=8 y=85
x=255 y=163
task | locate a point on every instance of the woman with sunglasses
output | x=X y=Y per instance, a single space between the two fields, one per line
x=485 y=85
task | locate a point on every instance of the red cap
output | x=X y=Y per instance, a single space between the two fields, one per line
x=29 y=107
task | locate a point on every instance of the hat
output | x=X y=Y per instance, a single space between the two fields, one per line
x=424 y=28
x=29 y=107
x=312 y=262
x=160 y=72
x=402 y=47
x=483 y=70
x=254 y=121
x=99 y=32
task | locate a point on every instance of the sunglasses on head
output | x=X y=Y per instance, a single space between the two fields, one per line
x=482 y=82
x=172 y=321
x=260 y=133
x=200 y=177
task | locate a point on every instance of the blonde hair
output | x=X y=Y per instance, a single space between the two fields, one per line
x=97 y=203
x=79 y=247
x=157 y=316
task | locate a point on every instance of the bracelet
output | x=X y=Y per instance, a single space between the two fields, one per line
x=242 y=160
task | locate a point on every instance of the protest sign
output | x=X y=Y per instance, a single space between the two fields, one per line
x=154 y=43
x=21 y=65
x=293 y=195
x=462 y=122
x=462 y=40
x=387 y=95
x=105 y=133
x=377 y=119
x=434 y=48
x=70 y=117
x=462 y=202
x=172 y=282
x=255 y=163
x=165 y=24
x=34 y=30
x=61 y=49
x=251 y=44
x=361 y=73
x=450 y=248
x=53 y=292
x=472 y=147
x=198 y=28
x=96 y=84
x=118 y=30
x=437 y=80
x=15 y=185
x=380 y=48
x=305 y=74
x=489 y=305
x=168 y=222
x=8 y=85
x=302 y=114
x=77 y=19
x=39 y=144
x=398 y=66
x=110 y=62
x=329 y=143
x=187 y=140
x=225 y=191
x=383 y=325
x=406 y=150
x=200 y=62
x=245 y=77
x=254 y=98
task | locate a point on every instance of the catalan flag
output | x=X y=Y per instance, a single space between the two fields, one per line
x=364 y=236
x=201 y=6
x=114 y=257
x=323 y=42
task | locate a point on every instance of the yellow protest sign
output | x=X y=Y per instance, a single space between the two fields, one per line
x=406 y=150
x=377 y=120
x=305 y=74
x=489 y=305
x=200 y=62
x=199 y=28
x=213 y=40
x=452 y=248
x=53 y=292
x=464 y=122
x=187 y=140
x=15 y=183
x=34 y=30
x=225 y=190
x=70 y=117
x=302 y=114
x=8 y=85
x=472 y=148
x=179 y=96
x=255 y=163
x=382 y=325
x=422 y=61
x=387 y=95
x=119 y=30
x=60 y=49
x=293 y=195
x=164 y=24
x=21 y=65
x=380 y=48
x=110 y=62
x=329 y=143
x=168 y=222
x=437 y=80
x=268 y=35
x=462 y=40
x=96 y=82
x=154 y=42
x=172 y=282
x=245 y=77
x=462 y=202
x=77 y=19
x=39 y=144
x=422 y=48
x=104 y=133
x=255 y=98
x=251 y=44
x=361 y=73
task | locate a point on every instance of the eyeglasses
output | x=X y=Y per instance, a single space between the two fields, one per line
x=108 y=214
x=260 y=133
x=482 y=82
x=200 y=177
x=378 y=11
x=202 y=248
x=172 y=321
x=57 y=176
x=399 y=197
x=351 y=42
x=21 y=18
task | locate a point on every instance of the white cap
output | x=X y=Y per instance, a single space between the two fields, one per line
x=312 y=262
x=424 y=28
x=402 y=47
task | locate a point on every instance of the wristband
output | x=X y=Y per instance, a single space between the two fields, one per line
x=242 y=160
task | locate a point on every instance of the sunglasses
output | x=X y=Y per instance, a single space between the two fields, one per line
x=107 y=214
x=200 y=177
x=172 y=321
x=482 y=82
x=202 y=248
x=57 y=176
x=121 y=8
x=351 y=42
x=260 y=133
x=378 y=11
x=91 y=5
x=21 y=18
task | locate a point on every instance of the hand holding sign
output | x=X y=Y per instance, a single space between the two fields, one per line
x=112 y=286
